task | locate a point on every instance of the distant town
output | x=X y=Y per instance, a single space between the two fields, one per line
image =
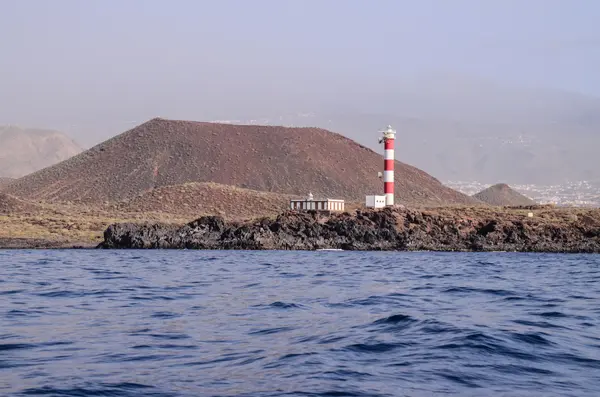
x=573 y=194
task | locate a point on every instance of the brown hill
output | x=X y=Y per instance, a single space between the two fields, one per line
x=266 y=158
x=208 y=198
x=12 y=205
x=4 y=182
x=503 y=195
x=23 y=151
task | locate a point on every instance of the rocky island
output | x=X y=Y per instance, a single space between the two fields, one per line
x=442 y=229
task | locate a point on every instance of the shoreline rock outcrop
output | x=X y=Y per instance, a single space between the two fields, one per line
x=459 y=229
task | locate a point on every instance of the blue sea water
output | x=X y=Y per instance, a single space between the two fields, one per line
x=202 y=323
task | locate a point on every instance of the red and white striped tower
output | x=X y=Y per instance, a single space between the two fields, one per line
x=389 y=136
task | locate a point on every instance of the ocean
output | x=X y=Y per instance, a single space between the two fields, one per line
x=235 y=323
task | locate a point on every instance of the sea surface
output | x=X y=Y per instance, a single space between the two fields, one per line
x=226 y=323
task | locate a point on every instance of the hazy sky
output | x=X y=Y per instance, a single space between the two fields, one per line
x=74 y=64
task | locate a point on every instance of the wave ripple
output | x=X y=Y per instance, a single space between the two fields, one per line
x=187 y=323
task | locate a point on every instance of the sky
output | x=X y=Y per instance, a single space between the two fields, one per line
x=95 y=68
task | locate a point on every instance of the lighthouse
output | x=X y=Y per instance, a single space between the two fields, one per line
x=388 y=136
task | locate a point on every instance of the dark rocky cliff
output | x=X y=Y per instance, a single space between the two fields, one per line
x=388 y=229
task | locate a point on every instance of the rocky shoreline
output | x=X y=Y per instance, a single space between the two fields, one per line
x=381 y=230
x=38 y=243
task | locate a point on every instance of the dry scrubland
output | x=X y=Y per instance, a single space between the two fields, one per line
x=190 y=199
x=28 y=224
x=38 y=224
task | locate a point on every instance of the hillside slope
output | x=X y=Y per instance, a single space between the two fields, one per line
x=4 y=182
x=10 y=205
x=266 y=158
x=208 y=198
x=23 y=151
x=502 y=194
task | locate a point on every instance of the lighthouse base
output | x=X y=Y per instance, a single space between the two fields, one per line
x=389 y=199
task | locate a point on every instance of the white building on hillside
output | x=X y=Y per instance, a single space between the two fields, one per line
x=318 y=205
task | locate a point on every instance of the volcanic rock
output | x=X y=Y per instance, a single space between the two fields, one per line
x=388 y=229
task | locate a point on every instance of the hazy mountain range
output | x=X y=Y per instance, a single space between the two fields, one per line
x=25 y=150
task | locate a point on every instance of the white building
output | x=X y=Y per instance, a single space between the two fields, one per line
x=375 y=201
x=319 y=205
